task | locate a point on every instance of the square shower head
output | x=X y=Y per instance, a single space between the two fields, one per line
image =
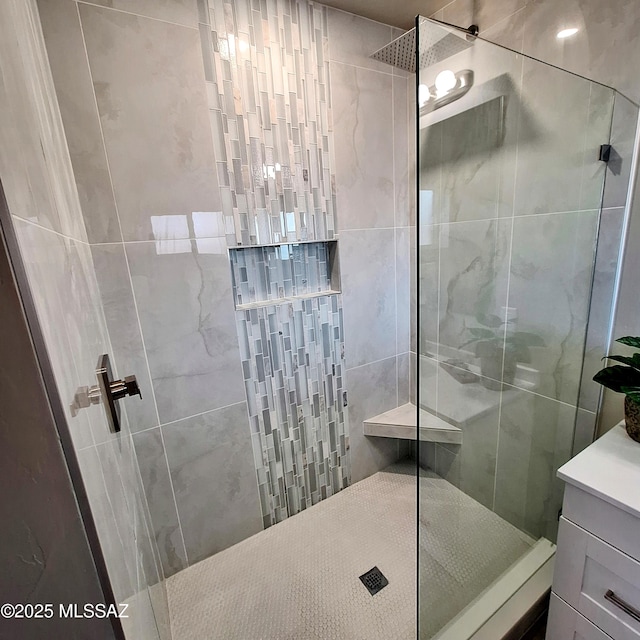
x=436 y=44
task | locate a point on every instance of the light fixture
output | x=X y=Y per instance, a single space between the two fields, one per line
x=448 y=86
x=445 y=82
x=567 y=33
x=423 y=95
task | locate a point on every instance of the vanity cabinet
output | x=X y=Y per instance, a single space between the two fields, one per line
x=596 y=583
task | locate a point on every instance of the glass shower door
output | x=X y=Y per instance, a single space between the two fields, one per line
x=509 y=196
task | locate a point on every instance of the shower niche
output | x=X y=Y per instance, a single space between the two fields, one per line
x=271 y=274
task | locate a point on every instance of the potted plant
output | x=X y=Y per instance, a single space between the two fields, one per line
x=625 y=378
x=495 y=349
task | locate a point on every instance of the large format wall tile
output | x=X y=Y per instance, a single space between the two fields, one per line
x=184 y=12
x=536 y=436
x=129 y=357
x=211 y=466
x=74 y=90
x=561 y=150
x=372 y=390
x=402 y=181
x=187 y=317
x=623 y=133
x=352 y=39
x=551 y=274
x=403 y=287
x=602 y=299
x=362 y=111
x=67 y=301
x=368 y=285
x=473 y=283
x=616 y=22
x=150 y=88
x=159 y=491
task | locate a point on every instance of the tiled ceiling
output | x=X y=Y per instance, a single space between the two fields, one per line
x=399 y=13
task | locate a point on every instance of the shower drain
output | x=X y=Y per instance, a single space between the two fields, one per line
x=374 y=580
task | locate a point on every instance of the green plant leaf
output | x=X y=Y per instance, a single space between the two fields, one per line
x=632 y=362
x=630 y=341
x=489 y=320
x=618 y=377
x=527 y=339
x=482 y=334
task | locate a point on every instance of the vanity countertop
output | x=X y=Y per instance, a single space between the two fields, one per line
x=608 y=469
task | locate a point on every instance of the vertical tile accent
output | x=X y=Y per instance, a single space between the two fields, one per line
x=267 y=76
x=293 y=365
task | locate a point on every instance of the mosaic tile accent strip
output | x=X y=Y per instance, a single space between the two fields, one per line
x=293 y=367
x=267 y=74
x=267 y=274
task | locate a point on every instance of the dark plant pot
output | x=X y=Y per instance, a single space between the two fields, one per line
x=632 y=418
x=493 y=374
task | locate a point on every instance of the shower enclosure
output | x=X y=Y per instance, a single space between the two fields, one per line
x=511 y=176
x=282 y=237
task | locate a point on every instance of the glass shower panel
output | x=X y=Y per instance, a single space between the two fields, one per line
x=509 y=197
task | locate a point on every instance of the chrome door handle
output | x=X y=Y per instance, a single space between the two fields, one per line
x=621 y=604
x=108 y=391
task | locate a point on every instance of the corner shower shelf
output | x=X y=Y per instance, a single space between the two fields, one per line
x=401 y=423
x=268 y=303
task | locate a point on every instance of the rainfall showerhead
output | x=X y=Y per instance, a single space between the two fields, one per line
x=436 y=44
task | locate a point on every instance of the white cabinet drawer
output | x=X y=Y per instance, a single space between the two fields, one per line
x=618 y=527
x=586 y=569
x=565 y=623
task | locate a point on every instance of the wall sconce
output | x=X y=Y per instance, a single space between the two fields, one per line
x=448 y=87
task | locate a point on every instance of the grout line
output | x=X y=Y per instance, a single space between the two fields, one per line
x=137 y=15
x=40 y=226
x=366 y=364
x=135 y=303
x=361 y=68
x=196 y=415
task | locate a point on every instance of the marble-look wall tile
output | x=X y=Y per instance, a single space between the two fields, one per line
x=403 y=287
x=352 y=39
x=616 y=22
x=128 y=352
x=402 y=180
x=553 y=147
x=427 y=294
x=74 y=90
x=551 y=275
x=368 y=286
x=158 y=142
x=363 y=129
x=484 y=13
x=370 y=454
x=62 y=284
x=507 y=32
x=404 y=379
x=159 y=492
x=211 y=466
x=36 y=172
x=184 y=12
x=602 y=298
x=110 y=542
x=536 y=436
x=473 y=286
x=187 y=316
x=623 y=134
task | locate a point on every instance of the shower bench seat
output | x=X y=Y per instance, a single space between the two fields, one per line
x=401 y=423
